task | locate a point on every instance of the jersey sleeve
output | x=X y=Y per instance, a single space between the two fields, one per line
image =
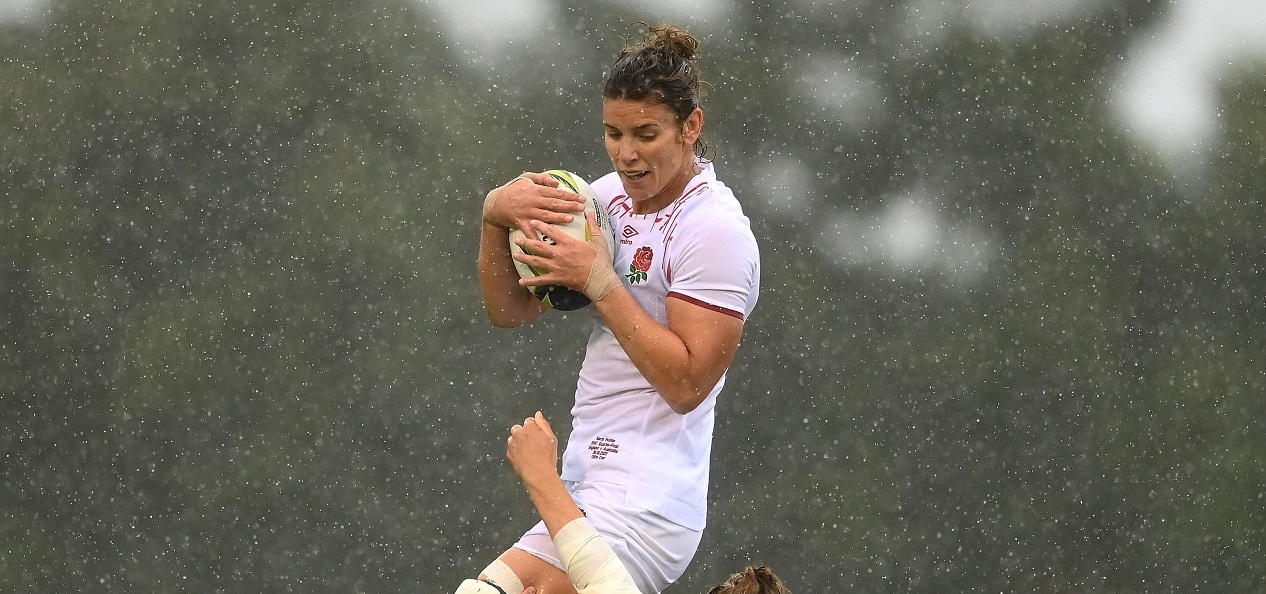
x=716 y=266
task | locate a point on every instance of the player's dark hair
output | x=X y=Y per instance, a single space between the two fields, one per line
x=755 y=579
x=660 y=68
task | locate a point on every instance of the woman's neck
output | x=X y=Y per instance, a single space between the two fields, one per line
x=670 y=193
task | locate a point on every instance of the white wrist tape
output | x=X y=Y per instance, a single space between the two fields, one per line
x=503 y=577
x=602 y=279
x=491 y=199
x=478 y=587
x=590 y=562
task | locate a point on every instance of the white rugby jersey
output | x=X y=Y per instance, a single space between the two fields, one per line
x=699 y=248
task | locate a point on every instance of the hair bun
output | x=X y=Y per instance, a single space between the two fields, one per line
x=660 y=68
x=673 y=39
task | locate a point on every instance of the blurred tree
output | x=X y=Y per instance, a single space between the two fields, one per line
x=241 y=348
x=226 y=290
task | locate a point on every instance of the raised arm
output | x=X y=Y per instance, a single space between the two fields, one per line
x=589 y=561
x=533 y=453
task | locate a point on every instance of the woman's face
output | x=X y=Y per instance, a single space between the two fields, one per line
x=653 y=154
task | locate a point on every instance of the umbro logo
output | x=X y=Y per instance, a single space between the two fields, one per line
x=628 y=231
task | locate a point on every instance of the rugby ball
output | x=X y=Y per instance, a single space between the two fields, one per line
x=558 y=296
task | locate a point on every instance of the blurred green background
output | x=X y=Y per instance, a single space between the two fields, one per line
x=1001 y=345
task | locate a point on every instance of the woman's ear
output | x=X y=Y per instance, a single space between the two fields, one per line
x=692 y=127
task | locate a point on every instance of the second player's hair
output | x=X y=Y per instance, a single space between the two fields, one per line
x=755 y=579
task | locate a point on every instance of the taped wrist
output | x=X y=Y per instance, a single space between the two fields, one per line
x=589 y=560
x=602 y=279
x=491 y=200
x=497 y=575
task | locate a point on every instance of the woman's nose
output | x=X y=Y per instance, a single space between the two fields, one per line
x=624 y=151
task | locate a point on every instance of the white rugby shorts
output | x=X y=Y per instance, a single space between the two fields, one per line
x=654 y=550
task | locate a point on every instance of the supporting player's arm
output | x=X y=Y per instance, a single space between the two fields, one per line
x=589 y=561
x=533 y=453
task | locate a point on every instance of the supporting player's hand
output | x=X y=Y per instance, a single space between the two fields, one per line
x=529 y=197
x=533 y=450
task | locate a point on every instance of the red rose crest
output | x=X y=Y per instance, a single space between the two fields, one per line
x=641 y=264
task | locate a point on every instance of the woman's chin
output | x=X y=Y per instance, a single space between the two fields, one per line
x=635 y=192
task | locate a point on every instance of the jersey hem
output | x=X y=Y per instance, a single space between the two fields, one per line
x=704 y=304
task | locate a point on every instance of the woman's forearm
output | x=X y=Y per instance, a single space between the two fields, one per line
x=553 y=503
x=507 y=304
